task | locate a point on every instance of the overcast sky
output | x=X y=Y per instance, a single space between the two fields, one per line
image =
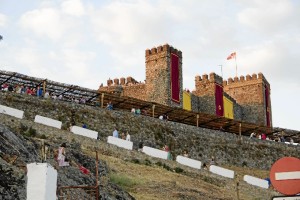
x=85 y=42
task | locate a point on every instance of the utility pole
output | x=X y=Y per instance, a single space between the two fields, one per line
x=221 y=70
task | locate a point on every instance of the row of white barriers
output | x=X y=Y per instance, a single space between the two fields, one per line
x=129 y=146
x=213 y=168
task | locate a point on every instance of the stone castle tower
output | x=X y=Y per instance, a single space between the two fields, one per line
x=207 y=88
x=253 y=94
x=164 y=75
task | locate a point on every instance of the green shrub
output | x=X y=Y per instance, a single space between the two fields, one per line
x=43 y=136
x=123 y=181
x=31 y=132
x=23 y=128
x=147 y=162
x=178 y=170
x=136 y=161
x=159 y=163
x=167 y=167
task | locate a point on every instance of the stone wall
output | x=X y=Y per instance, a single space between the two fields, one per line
x=200 y=143
x=195 y=103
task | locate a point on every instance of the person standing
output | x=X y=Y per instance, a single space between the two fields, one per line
x=115 y=133
x=127 y=136
x=62 y=156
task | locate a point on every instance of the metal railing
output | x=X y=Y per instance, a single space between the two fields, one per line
x=80 y=192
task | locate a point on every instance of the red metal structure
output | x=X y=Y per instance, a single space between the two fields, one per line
x=80 y=192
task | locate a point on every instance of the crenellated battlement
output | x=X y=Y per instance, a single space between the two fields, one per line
x=166 y=48
x=122 y=81
x=212 y=78
x=248 y=79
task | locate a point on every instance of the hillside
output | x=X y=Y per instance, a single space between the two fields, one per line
x=120 y=170
x=131 y=174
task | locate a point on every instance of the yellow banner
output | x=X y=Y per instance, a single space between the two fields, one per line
x=187 y=105
x=228 y=108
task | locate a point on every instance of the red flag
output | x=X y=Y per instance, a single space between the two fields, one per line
x=84 y=170
x=232 y=55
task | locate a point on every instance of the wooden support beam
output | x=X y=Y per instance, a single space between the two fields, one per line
x=181 y=120
x=240 y=131
x=153 y=110
x=92 y=97
x=102 y=100
x=44 y=87
x=7 y=79
x=212 y=120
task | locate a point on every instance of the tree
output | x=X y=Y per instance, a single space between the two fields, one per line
x=1 y=38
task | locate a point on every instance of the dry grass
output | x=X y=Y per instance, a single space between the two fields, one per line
x=155 y=182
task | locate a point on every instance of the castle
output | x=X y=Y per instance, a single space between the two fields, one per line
x=242 y=98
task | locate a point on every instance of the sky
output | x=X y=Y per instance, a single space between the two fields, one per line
x=86 y=42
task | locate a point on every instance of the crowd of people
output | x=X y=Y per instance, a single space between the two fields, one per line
x=277 y=138
x=38 y=92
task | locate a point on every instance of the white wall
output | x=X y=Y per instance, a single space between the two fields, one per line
x=221 y=171
x=188 y=162
x=155 y=152
x=11 y=111
x=291 y=143
x=41 y=181
x=256 y=181
x=120 y=142
x=48 y=121
x=84 y=132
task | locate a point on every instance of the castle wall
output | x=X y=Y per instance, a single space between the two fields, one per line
x=250 y=94
x=135 y=91
x=158 y=75
x=127 y=87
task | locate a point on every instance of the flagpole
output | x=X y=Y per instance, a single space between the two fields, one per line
x=235 y=65
x=221 y=70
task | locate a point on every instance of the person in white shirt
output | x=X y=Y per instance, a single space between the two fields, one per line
x=253 y=135
x=127 y=136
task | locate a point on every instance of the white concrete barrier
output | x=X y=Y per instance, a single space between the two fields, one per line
x=291 y=143
x=256 y=181
x=189 y=162
x=120 y=142
x=48 y=121
x=41 y=181
x=84 y=132
x=155 y=152
x=221 y=171
x=11 y=111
